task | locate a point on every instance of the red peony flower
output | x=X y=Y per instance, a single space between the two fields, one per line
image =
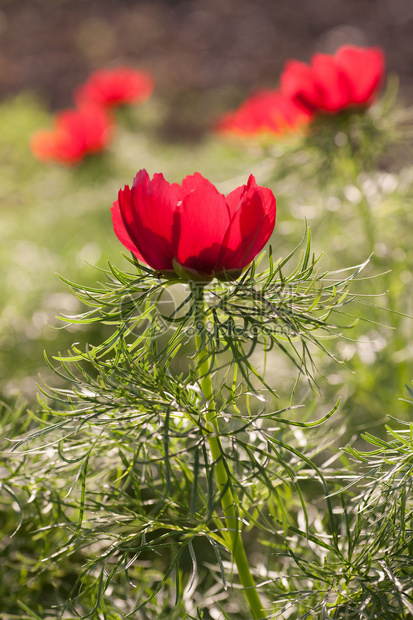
x=267 y=111
x=76 y=133
x=351 y=77
x=115 y=87
x=191 y=228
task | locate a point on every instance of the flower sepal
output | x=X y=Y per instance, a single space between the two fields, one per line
x=191 y=275
x=229 y=275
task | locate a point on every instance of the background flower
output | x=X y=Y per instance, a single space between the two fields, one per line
x=76 y=133
x=192 y=228
x=115 y=87
x=266 y=111
x=351 y=77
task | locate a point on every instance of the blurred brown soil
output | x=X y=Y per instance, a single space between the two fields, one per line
x=191 y=47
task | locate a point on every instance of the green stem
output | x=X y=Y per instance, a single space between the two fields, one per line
x=222 y=468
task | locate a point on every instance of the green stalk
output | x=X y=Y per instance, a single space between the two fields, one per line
x=222 y=468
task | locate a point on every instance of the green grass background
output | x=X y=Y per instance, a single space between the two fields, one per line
x=355 y=192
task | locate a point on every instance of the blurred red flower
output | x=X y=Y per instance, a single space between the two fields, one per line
x=115 y=87
x=191 y=228
x=266 y=111
x=76 y=133
x=351 y=77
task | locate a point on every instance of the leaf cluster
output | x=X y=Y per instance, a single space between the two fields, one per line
x=122 y=447
x=292 y=313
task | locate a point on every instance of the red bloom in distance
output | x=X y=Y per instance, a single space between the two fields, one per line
x=191 y=228
x=351 y=77
x=115 y=87
x=267 y=111
x=76 y=133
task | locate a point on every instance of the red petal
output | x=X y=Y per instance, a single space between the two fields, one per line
x=234 y=198
x=194 y=181
x=351 y=77
x=76 y=133
x=297 y=82
x=364 y=70
x=252 y=224
x=334 y=88
x=204 y=224
x=254 y=238
x=265 y=111
x=119 y=226
x=151 y=220
x=114 y=87
x=43 y=145
x=188 y=185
